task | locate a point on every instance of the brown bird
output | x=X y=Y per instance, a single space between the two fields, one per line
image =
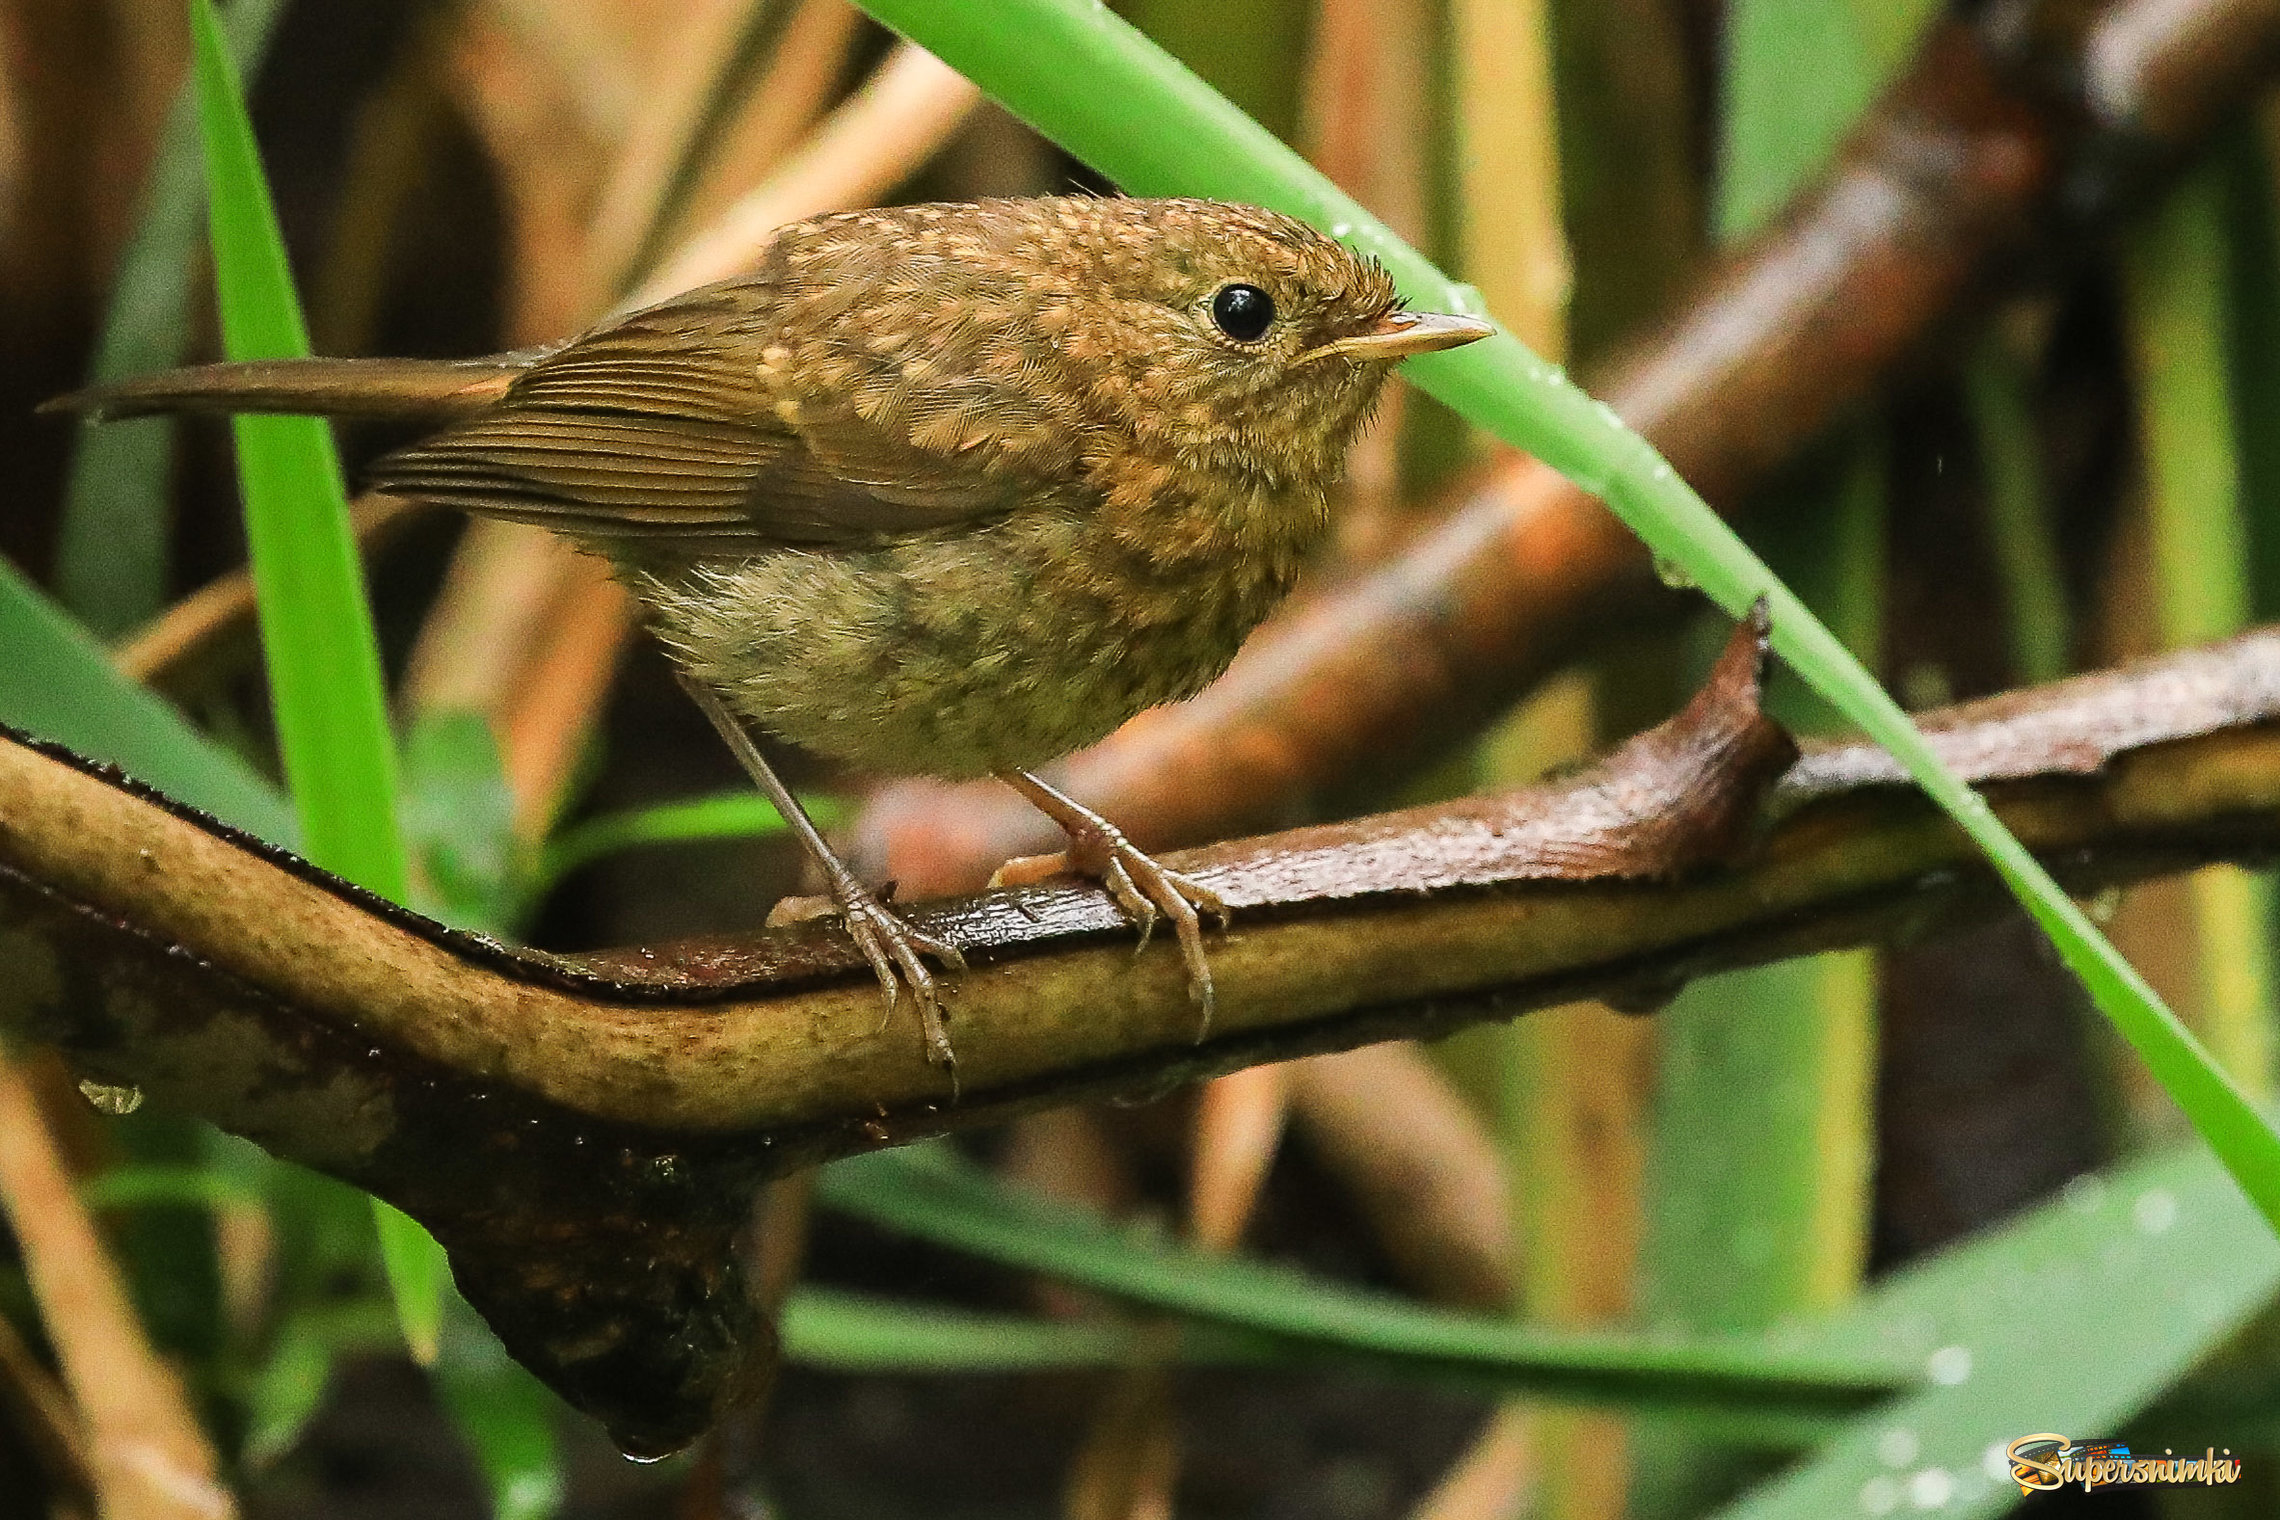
x=948 y=490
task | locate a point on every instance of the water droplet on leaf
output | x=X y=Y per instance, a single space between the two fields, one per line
x=2155 y=1211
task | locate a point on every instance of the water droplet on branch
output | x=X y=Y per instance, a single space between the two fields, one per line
x=109 y=1098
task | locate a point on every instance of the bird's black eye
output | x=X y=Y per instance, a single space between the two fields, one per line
x=1243 y=312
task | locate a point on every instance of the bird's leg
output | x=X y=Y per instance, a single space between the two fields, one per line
x=1142 y=888
x=892 y=946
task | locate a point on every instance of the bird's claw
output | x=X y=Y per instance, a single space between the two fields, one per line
x=1147 y=891
x=895 y=951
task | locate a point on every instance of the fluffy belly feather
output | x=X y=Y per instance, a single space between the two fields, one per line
x=998 y=648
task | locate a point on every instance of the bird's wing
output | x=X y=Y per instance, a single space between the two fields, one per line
x=664 y=427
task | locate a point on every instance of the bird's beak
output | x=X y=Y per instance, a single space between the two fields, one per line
x=1398 y=334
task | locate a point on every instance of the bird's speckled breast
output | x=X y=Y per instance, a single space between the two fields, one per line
x=996 y=646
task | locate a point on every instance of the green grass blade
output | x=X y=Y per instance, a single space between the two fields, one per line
x=855 y=1332
x=178 y=1185
x=2176 y=275
x=724 y=815
x=324 y=666
x=59 y=684
x=2168 y=1242
x=933 y=1195
x=316 y=629
x=110 y=563
x=1100 y=89
x=418 y=1273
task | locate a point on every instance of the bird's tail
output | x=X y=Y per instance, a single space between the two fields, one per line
x=371 y=388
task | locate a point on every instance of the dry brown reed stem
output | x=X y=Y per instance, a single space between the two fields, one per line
x=1127 y=1466
x=1364 y=124
x=391 y=150
x=871 y=143
x=547 y=607
x=1418 y=1160
x=545 y=723
x=695 y=63
x=1508 y=167
x=210 y=633
x=1493 y=1479
x=146 y=1457
x=1238 y=1127
x=547 y=97
x=810 y=60
x=1368 y=679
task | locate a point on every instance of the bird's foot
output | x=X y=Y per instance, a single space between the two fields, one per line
x=1145 y=890
x=892 y=946
x=897 y=953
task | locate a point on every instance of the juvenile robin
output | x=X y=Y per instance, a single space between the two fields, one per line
x=947 y=490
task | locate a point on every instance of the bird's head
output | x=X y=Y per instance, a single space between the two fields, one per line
x=1240 y=338
x=1034 y=335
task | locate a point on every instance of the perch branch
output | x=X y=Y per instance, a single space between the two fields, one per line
x=584 y=1132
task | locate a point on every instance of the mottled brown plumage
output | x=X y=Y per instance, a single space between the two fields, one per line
x=945 y=489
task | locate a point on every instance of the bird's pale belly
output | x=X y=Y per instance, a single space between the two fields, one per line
x=997 y=648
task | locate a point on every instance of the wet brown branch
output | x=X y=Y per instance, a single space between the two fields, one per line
x=1983 y=146
x=584 y=1133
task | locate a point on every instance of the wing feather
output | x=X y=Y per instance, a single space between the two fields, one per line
x=661 y=427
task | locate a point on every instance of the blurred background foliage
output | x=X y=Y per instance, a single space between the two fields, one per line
x=1927 y=1158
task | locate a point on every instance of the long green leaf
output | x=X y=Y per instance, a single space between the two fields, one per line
x=931 y=1194
x=2165 y=1246
x=57 y=683
x=177 y=1184
x=1100 y=89
x=459 y=824
x=110 y=558
x=316 y=629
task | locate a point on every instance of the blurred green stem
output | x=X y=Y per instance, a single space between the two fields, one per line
x=1763 y=1135
x=2176 y=274
x=111 y=547
x=2018 y=512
